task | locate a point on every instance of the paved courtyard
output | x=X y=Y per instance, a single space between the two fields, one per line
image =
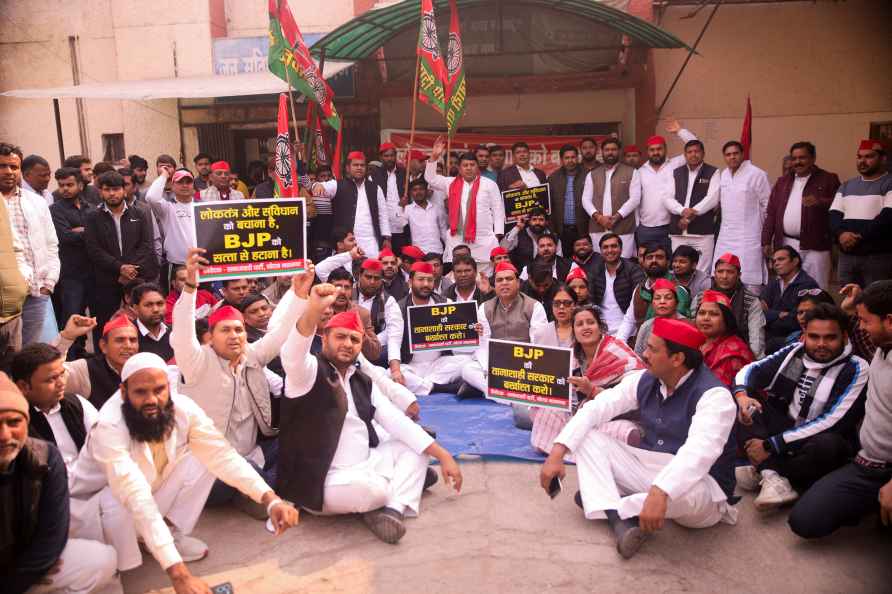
x=503 y=535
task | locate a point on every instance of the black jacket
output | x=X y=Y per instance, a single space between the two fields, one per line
x=477 y=295
x=75 y=263
x=628 y=275
x=508 y=175
x=137 y=237
x=379 y=176
x=785 y=301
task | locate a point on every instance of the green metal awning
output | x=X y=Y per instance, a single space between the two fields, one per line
x=359 y=38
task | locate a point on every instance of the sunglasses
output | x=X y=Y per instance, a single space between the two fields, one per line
x=563 y=303
x=812 y=292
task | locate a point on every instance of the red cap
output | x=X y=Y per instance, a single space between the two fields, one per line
x=386 y=253
x=679 y=332
x=225 y=314
x=220 y=166
x=729 y=258
x=414 y=252
x=120 y=321
x=663 y=283
x=356 y=156
x=416 y=155
x=498 y=251
x=576 y=273
x=180 y=174
x=346 y=319
x=871 y=145
x=422 y=267
x=656 y=140
x=502 y=266
x=386 y=146
x=710 y=296
x=371 y=264
x=632 y=148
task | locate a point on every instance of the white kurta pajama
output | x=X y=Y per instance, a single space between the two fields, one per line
x=363 y=229
x=616 y=476
x=604 y=205
x=490 y=216
x=705 y=244
x=362 y=478
x=744 y=203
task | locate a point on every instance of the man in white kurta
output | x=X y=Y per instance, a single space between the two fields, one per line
x=383 y=481
x=138 y=481
x=744 y=198
x=489 y=215
x=637 y=488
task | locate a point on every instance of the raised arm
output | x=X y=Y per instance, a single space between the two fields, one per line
x=298 y=363
x=285 y=316
x=186 y=348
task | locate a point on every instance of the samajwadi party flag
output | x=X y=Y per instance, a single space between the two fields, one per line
x=432 y=69
x=285 y=175
x=290 y=60
x=456 y=89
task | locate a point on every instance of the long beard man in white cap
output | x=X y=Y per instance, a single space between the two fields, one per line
x=149 y=464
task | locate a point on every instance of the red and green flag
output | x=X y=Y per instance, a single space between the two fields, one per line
x=285 y=175
x=290 y=60
x=431 y=67
x=456 y=88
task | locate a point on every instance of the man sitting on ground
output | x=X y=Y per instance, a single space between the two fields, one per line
x=151 y=461
x=686 y=272
x=655 y=267
x=464 y=271
x=394 y=282
x=780 y=297
x=36 y=554
x=806 y=426
x=683 y=469
x=343 y=281
x=148 y=302
x=332 y=461
x=863 y=486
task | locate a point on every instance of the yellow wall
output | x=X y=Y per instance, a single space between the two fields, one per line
x=815 y=71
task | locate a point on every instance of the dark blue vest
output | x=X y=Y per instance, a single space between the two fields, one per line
x=666 y=422
x=705 y=223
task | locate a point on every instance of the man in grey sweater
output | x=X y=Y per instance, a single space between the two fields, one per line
x=863 y=486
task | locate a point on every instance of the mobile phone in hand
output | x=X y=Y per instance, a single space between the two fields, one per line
x=555 y=487
x=224 y=588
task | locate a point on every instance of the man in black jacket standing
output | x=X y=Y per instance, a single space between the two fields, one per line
x=120 y=244
x=36 y=554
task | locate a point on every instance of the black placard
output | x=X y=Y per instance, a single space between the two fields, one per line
x=521 y=201
x=442 y=326
x=530 y=374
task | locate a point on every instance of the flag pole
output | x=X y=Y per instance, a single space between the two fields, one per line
x=414 y=108
x=293 y=112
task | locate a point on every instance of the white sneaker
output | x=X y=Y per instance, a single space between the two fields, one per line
x=776 y=492
x=190 y=549
x=748 y=478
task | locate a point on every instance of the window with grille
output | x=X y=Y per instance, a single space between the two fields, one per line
x=113 y=148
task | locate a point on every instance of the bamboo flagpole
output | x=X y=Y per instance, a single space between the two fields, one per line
x=414 y=109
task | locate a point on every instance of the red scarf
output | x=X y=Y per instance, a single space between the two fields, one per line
x=455 y=190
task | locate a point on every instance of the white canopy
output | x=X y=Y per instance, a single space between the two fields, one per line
x=196 y=87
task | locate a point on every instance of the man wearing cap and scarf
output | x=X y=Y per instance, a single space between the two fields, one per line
x=174 y=218
x=810 y=399
x=511 y=315
x=658 y=181
x=226 y=377
x=861 y=217
x=745 y=304
x=332 y=460
x=219 y=188
x=683 y=468
x=474 y=206
x=36 y=554
x=149 y=464
x=358 y=203
x=427 y=371
x=391 y=178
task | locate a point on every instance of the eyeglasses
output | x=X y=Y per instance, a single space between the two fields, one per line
x=562 y=303
x=813 y=292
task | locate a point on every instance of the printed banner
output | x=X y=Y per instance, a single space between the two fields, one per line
x=251 y=237
x=442 y=326
x=544 y=150
x=529 y=374
x=523 y=200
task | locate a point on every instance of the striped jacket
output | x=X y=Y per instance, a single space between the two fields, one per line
x=833 y=401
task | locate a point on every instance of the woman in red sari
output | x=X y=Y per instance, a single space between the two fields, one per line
x=724 y=352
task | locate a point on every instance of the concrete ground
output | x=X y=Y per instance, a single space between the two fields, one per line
x=503 y=535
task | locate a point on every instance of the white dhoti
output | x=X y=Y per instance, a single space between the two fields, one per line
x=180 y=499
x=393 y=476
x=816 y=264
x=424 y=371
x=629 y=248
x=87 y=566
x=616 y=476
x=705 y=244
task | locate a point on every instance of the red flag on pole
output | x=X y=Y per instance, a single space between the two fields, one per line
x=286 y=169
x=746 y=135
